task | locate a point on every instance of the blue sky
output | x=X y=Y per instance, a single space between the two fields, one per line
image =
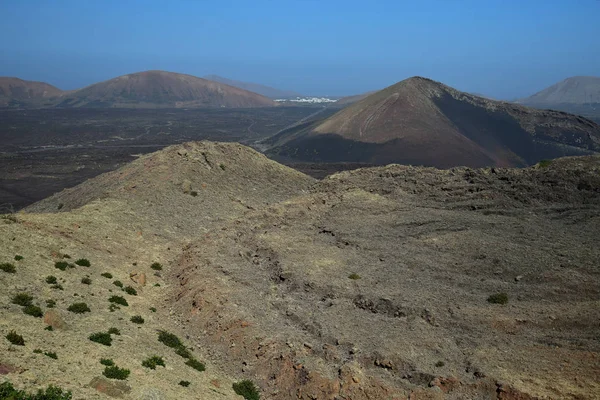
x=505 y=49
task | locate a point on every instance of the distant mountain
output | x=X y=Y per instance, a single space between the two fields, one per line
x=266 y=91
x=575 y=90
x=344 y=101
x=161 y=89
x=423 y=122
x=579 y=94
x=17 y=92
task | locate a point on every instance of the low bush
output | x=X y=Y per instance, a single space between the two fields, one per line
x=153 y=362
x=37 y=351
x=498 y=298
x=62 y=265
x=118 y=300
x=440 y=364
x=15 y=338
x=51 y=354
x=114 y=331
x=114 y=372
x=184 y=383
x=49 y=328
x=246 y=389
x=131 y=291
x=153 y=309
x=50 y=303
x=83 y=262
x=157 y=266
x=197 y=365
x=58 y=286
x=118 y=284
x=51 y=279
x=170 y=340
x=34 y=311
x=8 y=267
x=137 y=319
x=22 y=299
x=106 y=275
x=544 y=163
x=86 y=281
x=354 y=276
x=66 y=256
x=107 y=362
x=79 y=308
x=18 y=257
x=7 y=391
x=101 y=337
x=113 y=307
x=183 y=352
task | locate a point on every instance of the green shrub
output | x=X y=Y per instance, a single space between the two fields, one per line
x=66 y=256
x=8 y=392
x=34 y=311
x=157 y=266
x=197 y=365
x=440 y=364
x=101 y=337
x=8 y=267
x=157 y=284
x=114 y=372
x=37 y=351
x=114 y=331
x=22 y=299
x=194 y=193
x=246 y=389
x=79 y=308
x=118 y=300
x=183 y=352
x=153 y=309
x=544 y=163
x=51 y=354
x=131 y=291
x=118 y=284
x=137 y=319
x=49 y=328
x=83 y=262
x=62 y=265
x=86 y=281
x=184 y=383
x=50 y=303
x=170 y=340
x=222 y=166
x=106 y=275
x=107 y=362
x=15 y=338
x=18 y=257
x=113 y=307
x=51 y=279
x=354 y=276
x=153 y=361
x=498 y=298
x=57 y=286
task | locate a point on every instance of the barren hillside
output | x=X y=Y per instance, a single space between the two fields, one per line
x=381 y=283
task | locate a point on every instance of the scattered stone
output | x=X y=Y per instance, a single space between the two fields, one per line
x=108 y=387
x=54 y=319
x=139 y=278
x=518 y=278
x=186 y=186
x=150 y=393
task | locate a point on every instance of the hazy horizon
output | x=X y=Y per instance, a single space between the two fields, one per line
x=503 y=50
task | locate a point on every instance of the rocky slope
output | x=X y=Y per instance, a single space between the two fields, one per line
x=18 y=92
x=161 y=89
x=369 y=284
x=422 y=122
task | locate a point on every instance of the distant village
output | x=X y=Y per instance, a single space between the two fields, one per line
x=308 y=100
